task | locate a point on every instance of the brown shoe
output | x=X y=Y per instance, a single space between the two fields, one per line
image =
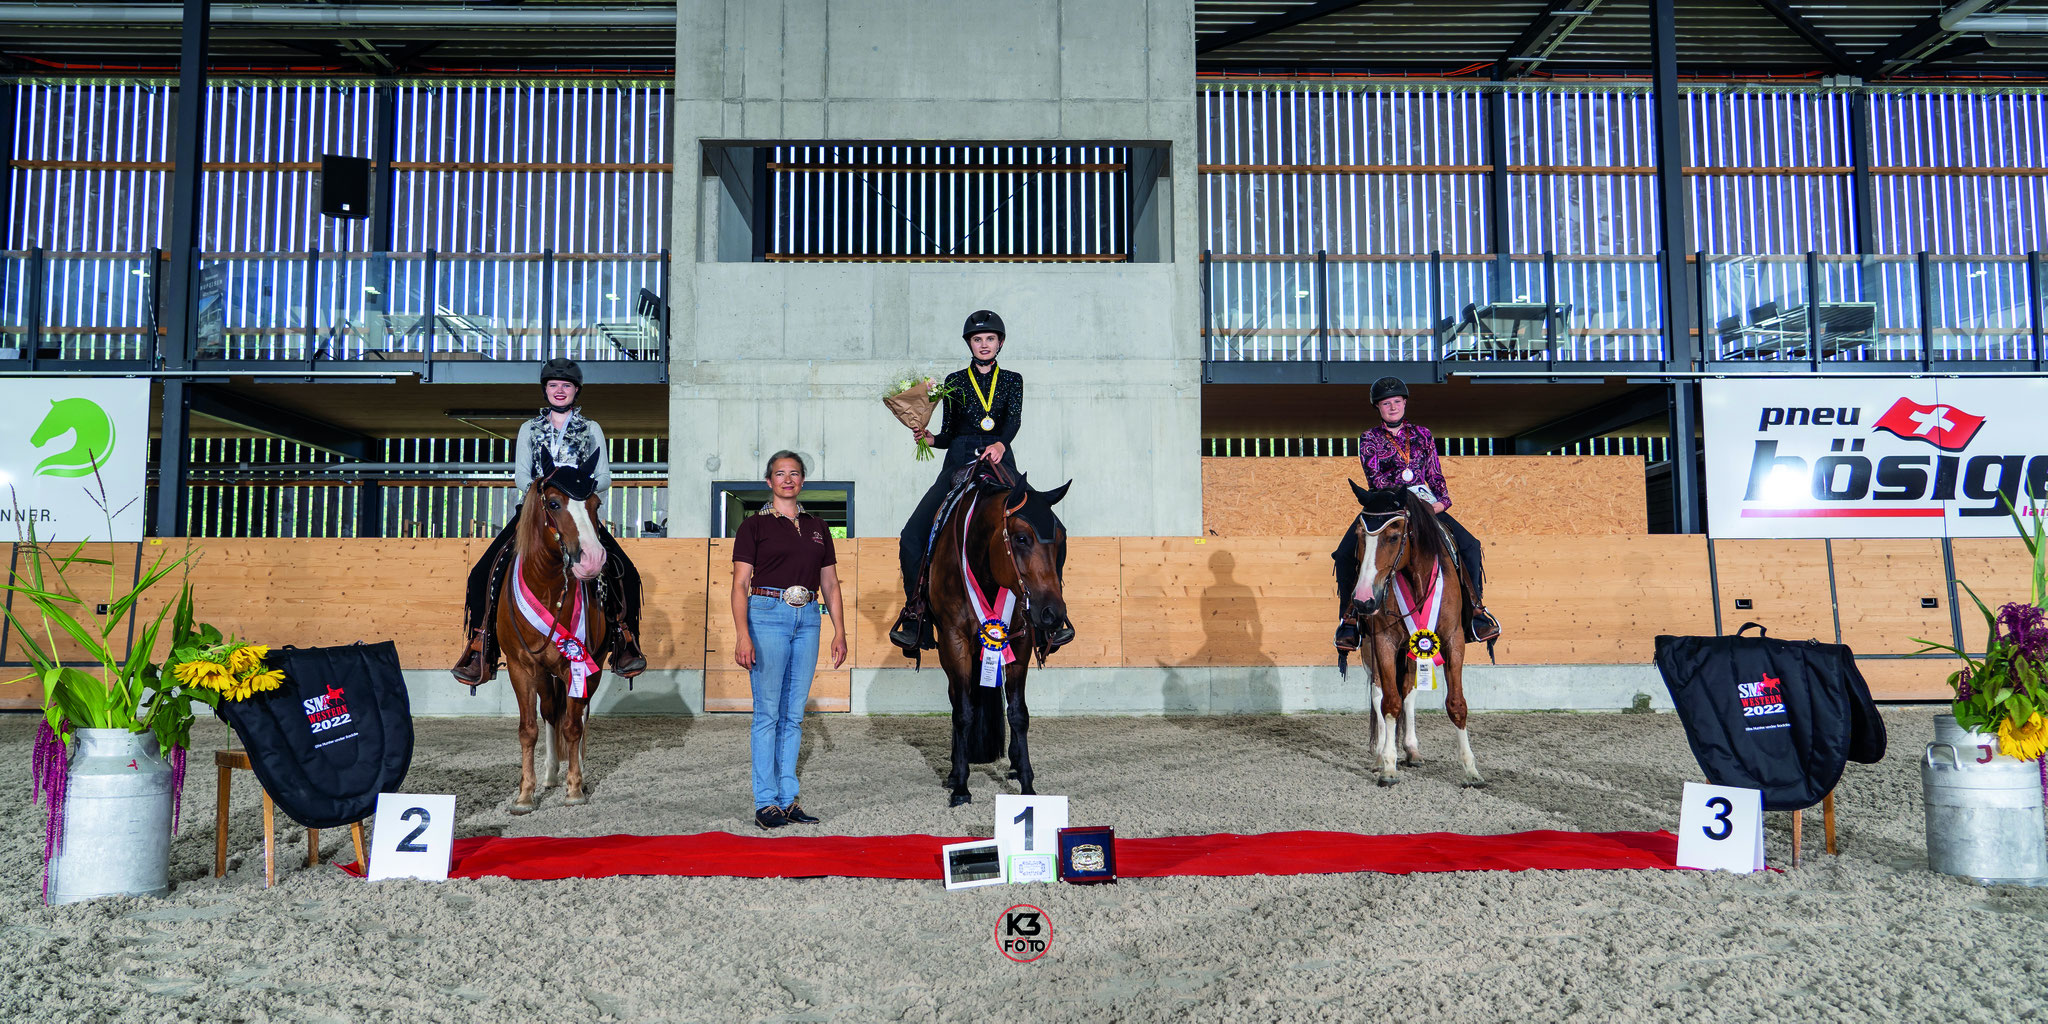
x=472 y=670
x=627 y=660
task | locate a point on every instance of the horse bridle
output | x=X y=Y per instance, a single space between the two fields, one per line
x=548 y=508
x=1400 y=553
x=1010 y=550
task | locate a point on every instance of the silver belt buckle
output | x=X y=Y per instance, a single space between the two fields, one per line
x=796 y=597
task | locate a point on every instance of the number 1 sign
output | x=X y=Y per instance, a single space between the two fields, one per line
x=1721 y=828
x=1029 y=825
x=413 y=837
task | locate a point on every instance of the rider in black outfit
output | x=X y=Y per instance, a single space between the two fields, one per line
x=982 y=414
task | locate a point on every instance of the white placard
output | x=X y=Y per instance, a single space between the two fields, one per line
x=1029 y=824
x=1034 y=867
x=413 y=836
x=1882 y=457
x=1721 y=828
x=57 y=432
x=972 y=864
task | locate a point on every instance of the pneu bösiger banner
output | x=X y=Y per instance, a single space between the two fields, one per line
x=61 y=440
x=1879 y=457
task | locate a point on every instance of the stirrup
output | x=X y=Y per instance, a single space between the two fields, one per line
x=627 y=659
x=472 y=671
x=1482 y=627
x=907 y=634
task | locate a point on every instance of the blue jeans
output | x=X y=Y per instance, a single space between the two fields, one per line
x=785 y=656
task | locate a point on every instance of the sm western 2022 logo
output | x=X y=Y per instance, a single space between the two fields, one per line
x=1763 y=703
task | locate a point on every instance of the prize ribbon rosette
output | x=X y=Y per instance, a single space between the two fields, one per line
x=1425 y=645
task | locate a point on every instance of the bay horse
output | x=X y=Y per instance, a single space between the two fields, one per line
x=1003 y=539
x=558 y=558
x=1405 y=564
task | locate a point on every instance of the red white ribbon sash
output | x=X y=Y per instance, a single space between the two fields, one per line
x=571 y=640
x=993 y=616
x=1405 y=602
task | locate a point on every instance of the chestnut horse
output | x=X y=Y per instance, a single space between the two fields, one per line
x=1006 y=536
x=559 y=556
x=1403 y=557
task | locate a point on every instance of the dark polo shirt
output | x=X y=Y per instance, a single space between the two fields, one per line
x=784 y=553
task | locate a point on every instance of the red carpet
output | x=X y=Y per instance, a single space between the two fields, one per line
x=1274 y=853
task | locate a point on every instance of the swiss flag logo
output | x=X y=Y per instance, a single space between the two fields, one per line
x=1943 y=426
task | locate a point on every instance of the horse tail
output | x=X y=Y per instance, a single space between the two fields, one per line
x=985 y=718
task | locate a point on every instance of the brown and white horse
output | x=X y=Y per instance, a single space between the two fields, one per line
x=1006 y=541
x=1404 y=560
x=558 y=557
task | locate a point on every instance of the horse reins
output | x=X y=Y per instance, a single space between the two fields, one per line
x=1400 y=553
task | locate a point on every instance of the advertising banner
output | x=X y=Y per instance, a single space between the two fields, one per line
x=1891 y=457
x=61 y=442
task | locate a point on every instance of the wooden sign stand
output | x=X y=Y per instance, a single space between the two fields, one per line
x=1827 y=824
x=229 y=760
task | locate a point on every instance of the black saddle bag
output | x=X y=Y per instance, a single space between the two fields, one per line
x=1781 y=716
x=336 y=734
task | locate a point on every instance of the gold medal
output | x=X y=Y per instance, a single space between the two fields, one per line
x=988 y=401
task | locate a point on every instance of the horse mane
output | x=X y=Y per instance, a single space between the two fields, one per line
x=1425 y=537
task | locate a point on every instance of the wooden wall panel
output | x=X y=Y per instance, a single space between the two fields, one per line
x=876 y=603
x=1594 y=600
x=1908 y=679
x=1878 y=588
x=91 y=583
x=672 y=611
x=1093 y=586
x=1492 y=495
x=726 y=685
x=1787 y=581
x=1227 y=601
x=323 y=592
x=1999 y=571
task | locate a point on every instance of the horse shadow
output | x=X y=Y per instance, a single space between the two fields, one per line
x=1232 y=636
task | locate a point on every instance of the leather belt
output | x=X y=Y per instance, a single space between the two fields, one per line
x=795 y=597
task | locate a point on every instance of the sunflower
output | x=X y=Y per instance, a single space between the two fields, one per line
x=262 y=682
x=2025 y=742
x=207 y=675
x=247 y=658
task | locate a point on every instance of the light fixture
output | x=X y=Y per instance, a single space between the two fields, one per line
x=371 y=289
x=614 y=298
x=139 y=272
x=1301 y=294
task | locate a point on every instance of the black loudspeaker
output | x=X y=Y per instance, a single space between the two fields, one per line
x=345 y=186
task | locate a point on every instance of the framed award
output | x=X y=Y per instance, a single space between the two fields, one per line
x=1088 y=854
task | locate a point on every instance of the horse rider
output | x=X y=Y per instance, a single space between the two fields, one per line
x=983 y=409
x=1401 y=454
x=560 y=430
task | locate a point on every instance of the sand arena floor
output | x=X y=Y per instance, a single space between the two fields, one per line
x=1868 y=935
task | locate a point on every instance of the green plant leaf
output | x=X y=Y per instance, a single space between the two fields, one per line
x=63 y=620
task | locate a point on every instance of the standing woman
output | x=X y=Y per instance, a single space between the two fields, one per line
x=782 y=563
x=984 y=407
x=561 y=431
x=1402 y=455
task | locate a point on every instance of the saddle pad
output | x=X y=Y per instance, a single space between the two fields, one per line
x=1778 y=716
x=337 y=733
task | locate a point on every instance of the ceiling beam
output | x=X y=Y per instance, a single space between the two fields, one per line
x=1917 y=44
x=1273 y=23
x=228 y=407
x=1842 y=60
x=1594 y=421
x=1534 y=35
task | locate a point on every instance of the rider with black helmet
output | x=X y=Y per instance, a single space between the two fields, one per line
x=568 y=438
x=983 y=410
x=1401 y=454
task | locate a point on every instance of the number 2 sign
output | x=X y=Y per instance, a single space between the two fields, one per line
x=1721 y=828
x=413 y=836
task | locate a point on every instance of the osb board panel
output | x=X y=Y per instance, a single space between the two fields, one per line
x=1495 y=494
x=1878 y=588
x=1999 y=571
x=90 y=583
x=873 y=605
x=1093 y=586
x=1594 y=600
x=730 y=689
x=1785 y=580
x=672 y=606
x=1908 y=679
x=1227 y=601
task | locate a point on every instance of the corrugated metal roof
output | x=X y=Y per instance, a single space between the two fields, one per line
x=1610 y=37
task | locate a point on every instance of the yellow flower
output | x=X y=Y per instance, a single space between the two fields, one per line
x=207 y=675
x=262 y=682
x=2025 y=742
x=247 y=658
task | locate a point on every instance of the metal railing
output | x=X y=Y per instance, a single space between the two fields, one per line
x=314 y=307
x=1548 y=309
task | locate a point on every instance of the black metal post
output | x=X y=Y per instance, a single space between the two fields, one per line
x=763 y=206
x=9 y=92
x=1699 y=280
x=1922 y=266
x=36 y=274
x=179 y=295
x=1863 y=205
x=154 y=349
x=312 y=315
x=431 y=306
x=369 y=507
x=1322 y=273
x=1208 y=313
x=1669 y=120
x=1549 y=309
x=664 y=315
x=1813 y=310
x=547 y=304
x=1497 y=226
x=2034 y=311
x=382 y=228
x=1436 y=315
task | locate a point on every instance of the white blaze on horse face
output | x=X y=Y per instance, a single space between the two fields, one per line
x=590 y=552
x=1367 y=568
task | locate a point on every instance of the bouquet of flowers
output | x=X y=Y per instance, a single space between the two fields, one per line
x=913 y=399
x=2005 y=691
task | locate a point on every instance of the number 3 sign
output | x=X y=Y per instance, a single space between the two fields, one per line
x=1721 y=828
x=413 y=837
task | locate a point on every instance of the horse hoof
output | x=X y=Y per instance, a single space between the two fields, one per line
x=1028 y=789
x=1411 y=761
x=522 y=808
x=575 y=801
x=1389 y=780
x=1474 y=784
x=1012 y=774
x=960 y=798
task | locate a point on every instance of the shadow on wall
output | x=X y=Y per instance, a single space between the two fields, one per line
x=1232 y=635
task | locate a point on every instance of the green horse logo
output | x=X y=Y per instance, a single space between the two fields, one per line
x=91 y=442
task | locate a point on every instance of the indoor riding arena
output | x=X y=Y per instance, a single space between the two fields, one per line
x=1451 y=511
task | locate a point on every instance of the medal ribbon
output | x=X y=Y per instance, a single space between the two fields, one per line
x=986 y=612
x=1404 y=601
x=567 y=640
x=995 y=373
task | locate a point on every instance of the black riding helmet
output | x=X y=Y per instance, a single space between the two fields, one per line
x=562 y=369
x=982 y=321
x=1388 y=387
